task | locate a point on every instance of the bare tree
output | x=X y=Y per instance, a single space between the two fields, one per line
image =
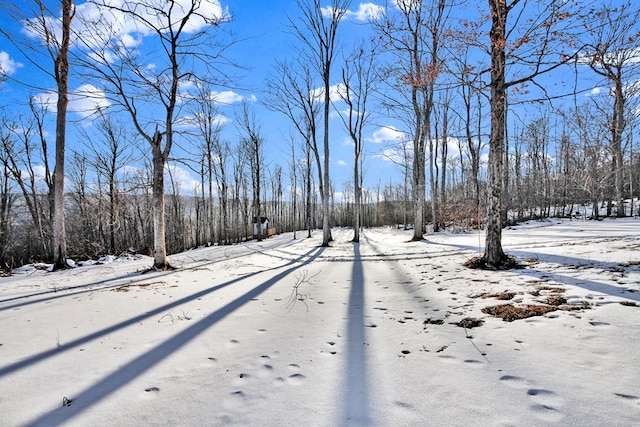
x=22 y=162
x=61 y=54
x=537 y=46
x=111 y=155
x=253 y=142
x=185 y=42
x=53 y=28
x=213 y=153
x=293 y=165
x=413 y=35
x=291 y=92
x=317 y=30
x=7 y=196
x=439 y=181
x=612 y=53
x=357 y=77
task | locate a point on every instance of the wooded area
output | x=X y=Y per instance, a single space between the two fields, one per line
x=539 y=99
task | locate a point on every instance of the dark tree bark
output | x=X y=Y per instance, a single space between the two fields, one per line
x=551 y=33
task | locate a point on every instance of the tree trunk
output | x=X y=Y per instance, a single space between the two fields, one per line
x=494 y=255
x=433 y=181
x=418 y=186
x=308 y=216
x=59 y=243
x=617 y=128
x=160 y=260
x=358 y=197
x=326 y=230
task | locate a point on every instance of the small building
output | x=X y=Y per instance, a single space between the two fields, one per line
x=260 y=226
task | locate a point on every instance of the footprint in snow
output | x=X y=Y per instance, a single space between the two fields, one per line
x=629 y=398
x=150 y=393
x=514 y=381
x=331 y=344
x=547 y=413
x=232 y=343
x=474 y=363
x=546 y=403
x=296 y=379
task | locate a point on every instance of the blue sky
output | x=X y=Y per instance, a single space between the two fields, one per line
x=261 y=28
x=266 y=26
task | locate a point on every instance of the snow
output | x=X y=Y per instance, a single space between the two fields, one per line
x=283 y=332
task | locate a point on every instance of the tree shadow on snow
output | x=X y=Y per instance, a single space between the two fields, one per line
x=584 y=283
x=356 y=393
x=69 y=291
x=146 y=361
x=569 y=262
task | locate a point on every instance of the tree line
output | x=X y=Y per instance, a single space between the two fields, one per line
x=536 y=99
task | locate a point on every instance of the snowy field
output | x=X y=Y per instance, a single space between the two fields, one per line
x=284 y=333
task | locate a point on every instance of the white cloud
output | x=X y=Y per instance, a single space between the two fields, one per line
x=95 y=22
x=7 y=65
x=391 y=155
x=366 y=12
x=335 y=92
x=46 y=100
x=388 y=134
x=85 y=101
x=192 y=121
x=342 y=163
x=229 y=97
x=182 y=179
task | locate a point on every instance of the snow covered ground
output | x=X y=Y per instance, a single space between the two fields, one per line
x=284 y=333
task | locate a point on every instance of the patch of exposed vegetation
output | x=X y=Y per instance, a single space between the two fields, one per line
x=509 y=313
x=629 y=304
x=508 y=262
x=556 y=300
x=502 y=296
x=550 y=289
x=469 y=323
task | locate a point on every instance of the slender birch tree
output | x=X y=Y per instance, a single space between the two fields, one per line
x=357 y=79
x=317 y=30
